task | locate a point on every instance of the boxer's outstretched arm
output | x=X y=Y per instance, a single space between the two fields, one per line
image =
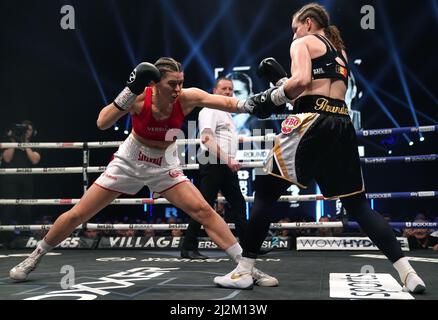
x=194 y=97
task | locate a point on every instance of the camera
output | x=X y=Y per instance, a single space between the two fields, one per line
x=17 y=132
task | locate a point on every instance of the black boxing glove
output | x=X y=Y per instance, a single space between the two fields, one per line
x=139 y=78
x=272 y=71
x=261 y=105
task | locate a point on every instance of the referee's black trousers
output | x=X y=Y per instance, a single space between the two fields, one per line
x=215 y=177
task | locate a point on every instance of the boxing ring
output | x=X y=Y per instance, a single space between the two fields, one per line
x=162 y=275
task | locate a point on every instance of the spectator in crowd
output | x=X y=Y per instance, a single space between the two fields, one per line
x=421 y=238
x=324 y=232
x=284 y=232
x=90 y=233
x=177 y=233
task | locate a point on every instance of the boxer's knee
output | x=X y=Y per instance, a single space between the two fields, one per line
x=202 y=212
x=74 y=217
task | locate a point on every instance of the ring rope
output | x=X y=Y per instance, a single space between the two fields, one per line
x=268 y=137
x=150 y=201
x=183 y=226
x=195 y=166
x=401 y=130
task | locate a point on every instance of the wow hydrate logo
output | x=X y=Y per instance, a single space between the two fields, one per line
x=104 y=285
x=342 y=243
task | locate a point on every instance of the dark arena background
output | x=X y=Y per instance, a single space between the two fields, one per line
x=61 y=62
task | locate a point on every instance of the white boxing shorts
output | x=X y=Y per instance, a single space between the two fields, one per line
x=135 y=165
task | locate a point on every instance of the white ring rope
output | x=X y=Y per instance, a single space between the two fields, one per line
x=110 y=144
x=268 y=137
x=181 y=226
x=195 y=166
x=140 y=201
x=150 y=201
x=63 y=170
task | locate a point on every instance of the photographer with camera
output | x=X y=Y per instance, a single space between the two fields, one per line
x=18 y=186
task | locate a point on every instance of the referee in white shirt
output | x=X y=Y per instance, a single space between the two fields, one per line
x=219 y=145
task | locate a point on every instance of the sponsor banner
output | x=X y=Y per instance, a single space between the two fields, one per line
x=421 y=224
x=376 y=132
x=376 y=160
x=51 y=170
x=252 y=155
x=426 y=193
x=366 y=286
x=119 y=242
x=342 y=243
x=68 y=243
x=275 y=243
x=139 y=243
x=425 y=129
x=173 y=243
x=379 y=196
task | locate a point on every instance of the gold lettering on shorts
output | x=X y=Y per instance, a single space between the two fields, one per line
x=322 y=105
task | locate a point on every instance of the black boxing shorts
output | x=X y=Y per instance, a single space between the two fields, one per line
x=318 y=141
